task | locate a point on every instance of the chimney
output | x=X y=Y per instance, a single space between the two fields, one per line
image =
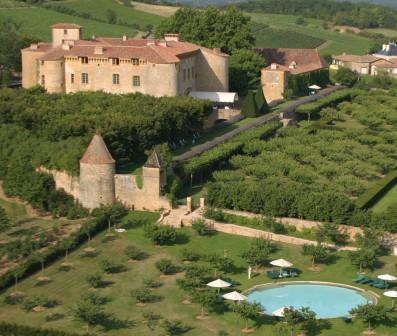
x=274 y=66
x=292 y=65
x=387 y=47
x=163 y=43
x=93 y=37
x=171 y=37
x=125 y=38
x=151 y=43
x=99 y=50
x=384 y=46
x=66 y=46
x=34 y=46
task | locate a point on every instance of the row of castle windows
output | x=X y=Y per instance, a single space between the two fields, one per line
x=136 y=80
x=189 y=72
x=114 y=60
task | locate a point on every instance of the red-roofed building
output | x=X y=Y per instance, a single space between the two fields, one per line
x=167 y=67
x=283 y=63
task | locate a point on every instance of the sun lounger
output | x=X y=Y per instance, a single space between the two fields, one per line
x=273 y=274
x=359 y=278
x=365 y=280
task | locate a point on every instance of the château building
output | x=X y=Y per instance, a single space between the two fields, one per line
x=166 y=67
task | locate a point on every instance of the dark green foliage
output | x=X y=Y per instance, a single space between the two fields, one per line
x=302 y=319
x=346 y=77
x=340 y=13
x=213 y=28
x=111 y=16
x=260 y=101
x=298 y=85
x=42 y=301
x=249 y=108
x=190 y=255
x=134 y=253
x=8 y=329
x=5 y=222
x=96 y=281
x=174 y=327
x=318 y=252
x=201 y=227
x=364 y=259
x=380 y=188
x=245 y=70
x=259 y=252
x=144 y=295
x=196 y=276
x=111 y=267
x=161 y=234
x=220 y=263
x=166 y=266
x=247 y=310
x=205 y=298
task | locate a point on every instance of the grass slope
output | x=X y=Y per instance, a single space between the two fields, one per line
x=386 y=201
x=98 y=9
x=69 y=286
x=338 y=42
x=36 y=22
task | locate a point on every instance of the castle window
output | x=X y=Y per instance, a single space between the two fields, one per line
x=136 y=81
x=192 y=72
x=84 y=78
x=65 y=32
x=116 y=79
x=115 y=61
x=41 y=62
x=188 y=74
x=84 y=60
x=72 y=78
x=184 y=74
x=42 y=80
x=135 y=61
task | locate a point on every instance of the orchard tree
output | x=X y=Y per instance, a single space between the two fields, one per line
x=259 y=251
x=247 y=310
x=206 y=298
x=345 y=76
x=364 y=258
x=302 y=319
x=370 y=313
x=318 y=252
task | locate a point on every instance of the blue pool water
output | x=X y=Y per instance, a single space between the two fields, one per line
x=326 y=301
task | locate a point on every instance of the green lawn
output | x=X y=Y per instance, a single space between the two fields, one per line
x=384 y=31
x=387 y=200
x=36 y=22
x=69 y=286
x=98 y=9
x=338 y=44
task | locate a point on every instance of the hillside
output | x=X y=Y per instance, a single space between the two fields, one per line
x=389 y=3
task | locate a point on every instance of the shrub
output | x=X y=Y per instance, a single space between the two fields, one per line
x=95 y=281
x=216 y=215
x=143 y=295
x=174 y=327
x=165 y=266
x=29 y=304
x=249 y=108
x=161 y=234
x=150 y=283
x=112 y=267
x=134 y=253
x=201 y=227
x=12 y=329
x=189 y=255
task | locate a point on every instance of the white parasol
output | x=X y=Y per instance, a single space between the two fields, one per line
x=282 y=263
x=391 y=294
x=219 y=283
x=279 y=312
x=234 y=296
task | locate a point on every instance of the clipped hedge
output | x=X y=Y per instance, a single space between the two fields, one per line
x=215 y=156
x=8 y=329
x=332 y=100
x=379 y=189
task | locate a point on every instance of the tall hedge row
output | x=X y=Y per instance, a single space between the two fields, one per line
x=221 y=153
x=313 y=109
x=298 y=85
x=379 y=189
x=8 y=329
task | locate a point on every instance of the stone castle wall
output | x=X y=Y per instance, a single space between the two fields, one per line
x=212 y=71
x=274 y=83
x=30 y=68
x=63 y=180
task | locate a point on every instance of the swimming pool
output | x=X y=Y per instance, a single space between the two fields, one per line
x=326 y=300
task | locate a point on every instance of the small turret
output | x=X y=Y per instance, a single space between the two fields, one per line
x=154 y=174
x=97 y=169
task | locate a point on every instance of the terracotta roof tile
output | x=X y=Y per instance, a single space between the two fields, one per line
x=356 y=58
x=66 y=25
x=97 y=152
x=385 y=64
x=306 y=60
x=41 y=46
x=154 y=161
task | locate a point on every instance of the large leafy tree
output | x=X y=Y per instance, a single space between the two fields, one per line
x=370 y=313
x=247 y=310
x=213 y=28
x=259 y=251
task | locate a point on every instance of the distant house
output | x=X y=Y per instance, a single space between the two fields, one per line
x=284 y=63
x=359 y=64
x=383 y=60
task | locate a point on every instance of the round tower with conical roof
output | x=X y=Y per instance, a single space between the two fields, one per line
x=97 y=169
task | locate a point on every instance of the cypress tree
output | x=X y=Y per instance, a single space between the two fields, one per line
x=260 y=100
x=249 y=108
x=4 y=220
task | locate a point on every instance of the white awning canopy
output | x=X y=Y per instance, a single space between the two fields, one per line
x=314 y=87
x=216 y=97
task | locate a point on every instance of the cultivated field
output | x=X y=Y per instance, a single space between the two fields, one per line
x=36 y=22
x=339 y=42
x=155 y=9
x=386 y=201
x=98 y=9
x=69 y=286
